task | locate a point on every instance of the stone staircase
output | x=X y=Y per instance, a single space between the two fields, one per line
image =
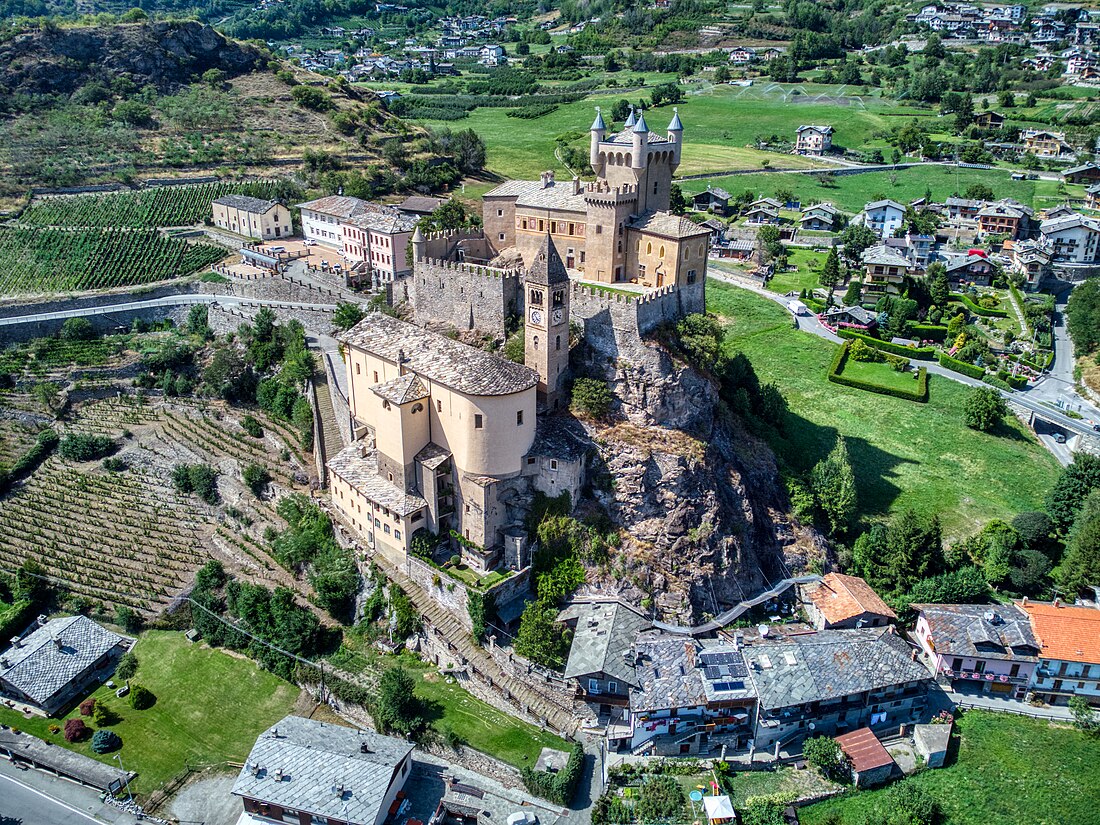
x=479 y=662
x=331 y=441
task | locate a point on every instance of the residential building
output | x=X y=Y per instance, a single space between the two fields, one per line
x=321 y=218
x=834 y=681
x=965 y=208
x=819 y=217
x=885 y=217
x=713 y=200
x=989 y=120
x=1005 y=217
x=1085 y=173
x=419 y=206
x=813 y=140
x=871 y=763
x=1092 y=196
x=1045 y=144
x=57 y=663
x=856 y=317
x=979 y=648
x=917 y=248
x=1069 y=651
x=840 y=601
x=1030 y=259
x=615 y=229
x=379 y=237
x=262 y=220
x=742 y=55
x=972 y=267
x=885 y=270
x=1072 y=239
x=765 y=210
x=305 y=771
x=599 y=656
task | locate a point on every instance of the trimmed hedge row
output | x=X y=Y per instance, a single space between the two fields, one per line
x=920 y=394
x=955 y=365
x=994 y=381
x=978 y=310
x=931 y=332
x=556 y=787
x=920 y=353
x=1048 y=357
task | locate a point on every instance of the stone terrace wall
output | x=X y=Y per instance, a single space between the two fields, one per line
x=466 y=296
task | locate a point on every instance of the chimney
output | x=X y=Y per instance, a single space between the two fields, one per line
x=576 y=185
x=42 y=620
x=1057 y=602
x=57 y=642
x=1024 y=601
x=689 y=650
x=16 y=641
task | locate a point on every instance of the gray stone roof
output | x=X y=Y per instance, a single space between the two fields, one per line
x=432 y=456
x=548 y=267
x=665 y=678
x=882 y=255
x=829 y=664
x=1006 y=207
x=861 y=315
x=825 y=130
x=667 y=225
x=968 y=202
x=714 y=191
x=1065 y=222
x=820 y=207
x=384 y=220
x=401 y=390
x=723 y=671
x=41 y=667
x=883 y=203
x=322 y=769
x=437 y=358
x=603 y=641
x=246 y=204
x=336 y=206
x=989 y=631
x=420 y=204
x=358 y=466
x=559 y=436
x=534 y=194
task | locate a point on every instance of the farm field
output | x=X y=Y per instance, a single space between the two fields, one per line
x=1006 y=770
x=904 y=454
x=210 y=708
x=47 y=260
x=451 y=708
x=146 y=209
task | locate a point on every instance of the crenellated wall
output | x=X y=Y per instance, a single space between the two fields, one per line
x=467 y=296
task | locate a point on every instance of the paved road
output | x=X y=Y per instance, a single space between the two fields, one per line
x=33 y=797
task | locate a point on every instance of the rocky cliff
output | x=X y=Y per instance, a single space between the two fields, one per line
x=697 y=495
x=166 y=55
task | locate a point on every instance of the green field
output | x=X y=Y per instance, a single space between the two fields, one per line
x=1008 y=770
x=851 y=192
x=210 y=708
x=905 y=454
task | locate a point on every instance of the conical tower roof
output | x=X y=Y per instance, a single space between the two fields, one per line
x=676 y=125
x=641 y=126
x=548 y=267
x=598 y=124
x=630 y=120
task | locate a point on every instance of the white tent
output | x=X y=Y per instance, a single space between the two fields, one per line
x=718 y=808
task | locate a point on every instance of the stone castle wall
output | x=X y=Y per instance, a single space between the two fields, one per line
x=615 y=322
x=466 y=296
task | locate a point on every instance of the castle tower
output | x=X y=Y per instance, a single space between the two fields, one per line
x=676 y=136
x=598 y=132
x=418 y=244
x=546 y=333
x=636 y=159
x=639 y=139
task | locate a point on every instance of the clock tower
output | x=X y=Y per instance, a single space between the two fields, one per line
x=546 y=331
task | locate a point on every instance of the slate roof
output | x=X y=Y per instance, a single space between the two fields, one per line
x=825 y=130
x=861 y=315
x=548 y=267
x=882 y=255
x=603 y=641
x=820 y=207
x=714 y=191
x=336 y=206
x=387 y=221
x=723 y=671
x=246 y=203
x=1067 y=633
x=840 y=597
x=664 y=677
x=559 y=436
x=955 y=261
x=358 y=466
x=769 y=202
x=829 y=664
x=1068 y=222
x=322 y=769
x=401 y=390
x=532 y=193
x=667 y=225
x=420 y=204
x=883 y=204
x=1084 y=167
x=432 y=455
x=1005 y=207
x=959 y=629
x=437 y=358
x=41 y=667
x=864 y=750
x=967 y=202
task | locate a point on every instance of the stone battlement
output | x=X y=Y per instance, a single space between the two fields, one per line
x=602 y=193
x=482 y=270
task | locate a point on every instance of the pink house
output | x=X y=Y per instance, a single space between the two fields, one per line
x=979 y=648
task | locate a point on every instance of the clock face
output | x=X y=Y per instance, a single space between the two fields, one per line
x=536 y=316
x=558 y=315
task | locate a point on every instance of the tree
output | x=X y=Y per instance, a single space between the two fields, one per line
x=105 y=741
x=77 y=329
x=984 y=409
x=76 y=730
x=1083 y=316
x=933 y=47
x=1007 y=99
x=825 y=754
x=1080 y=565
x=129 y=619
x=347 y=315
x=768 y=239
x=256 y=477
x=993 y=549
x=721 y=74
x=677 y=202
x=311 y=98
x=967 y=585
x=104 y=715
x=198 y=320
x=591 y=398
x=905 y=803
x=979 y=192
x=127 y=666
x=141 y=698
x=854 y=293
x=766 y=809
x=661 y=799
x=214 y=78
x=397 y=708
x=938 y=287
x=834 y=486
x=1035 y=528
x=133 y=113
x=540 y=637
x=830 y=275
x=893 y=557
x=856 y=239
x=1073 y=486
x=1085 y=717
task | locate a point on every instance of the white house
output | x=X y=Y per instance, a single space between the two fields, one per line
x=813 y=140
x=321 y=218
x=1072 y=238
x=885 y=217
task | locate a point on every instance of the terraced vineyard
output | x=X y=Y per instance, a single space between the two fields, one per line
x=145 y=209
x=15 y=439
x=35 y=260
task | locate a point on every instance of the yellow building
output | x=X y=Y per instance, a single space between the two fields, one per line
x=252 y=217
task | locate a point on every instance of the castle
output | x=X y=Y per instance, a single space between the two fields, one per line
x=455 y=440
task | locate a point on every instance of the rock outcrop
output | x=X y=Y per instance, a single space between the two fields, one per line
x=167 y=55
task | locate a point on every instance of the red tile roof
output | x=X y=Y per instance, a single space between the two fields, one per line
x=864 y=749
x=840 y=597
x=1065 y=632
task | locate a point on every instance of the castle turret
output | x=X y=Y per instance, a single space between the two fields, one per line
x=418 y=242
x=630 y=121
x=598 y=131
x=676 y=136
x=639 y=142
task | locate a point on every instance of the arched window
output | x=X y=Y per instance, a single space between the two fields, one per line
x=661 y=253
x=649 y=249
x=535 y=342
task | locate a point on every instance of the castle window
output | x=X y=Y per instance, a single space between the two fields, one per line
x=385 y=404
x=559 y=297
x=557 y=344
x=417 y=516
x=500 y=213
x=439 y=406
x=356 y=369
x=553 y=227
x=599 y=229
x=386 y=529
x=530 y=461
x=572 y=228
x=542 y=225
x=654 y=187
x=582 y=256
x=553 y=464
x=500 y=237
x=523 y=223
x=661 y=253
x=535 y=342
x=649 y=249
x=390 y=477
x=479 y=421
x=376 y=376
x=536 y=296
x=691 y=276
x=519 y=418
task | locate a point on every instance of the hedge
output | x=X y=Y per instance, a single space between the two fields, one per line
x=557 y=787
x=920 y=353
x=920 y=394
x=813 y=303
x=1047 y=357
x=994 y=381
x=978 y=310
x=930 y=332
x=955 y=365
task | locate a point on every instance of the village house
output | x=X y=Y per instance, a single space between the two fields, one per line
x=1085 y=173
x=855 y=317
x=989 y=120
x=599 y=656
x=1030 y=259
x=379 y=237
x=964 y=208
x=765 y=210
x=885 y=270
x=821 y=217
x=871 y=763
x=321 y=218
x=1005 y=217
x=304 y=771
x=842 y=602
x=885 y=217
x=973 y=267
x=813 y=140
x=262 y=220
x=979 y=648
x=1072 y=239
x=1045 y=144
x=58 y=662
x=713 y=200
x=742 y=55
x=1092 y=196
x=1069 y=651
x=917 y=248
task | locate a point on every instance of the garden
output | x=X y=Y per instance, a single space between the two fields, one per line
x=207 y=708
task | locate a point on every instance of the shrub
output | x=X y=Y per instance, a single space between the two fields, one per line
x=75 y=730
x=859 y=351
x=200 y=479
x=87 y=707
x=559 y=787
x=984 y=409
x=825 y=754
x=77 y=447
x=591 y=397
x=929 y=332
x=77 y=329
x=104 y=716
x=256 y=477
x=920 y=353
x=106 y=741
x=955 y=365
x=985 y=312
x=311 y=98
x=114 y=465
x=141 y=698
x=129 y=619
x=252 y=427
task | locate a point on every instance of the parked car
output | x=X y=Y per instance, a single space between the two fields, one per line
x=1059 y=438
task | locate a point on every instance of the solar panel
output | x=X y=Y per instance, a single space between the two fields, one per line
x=721 y=687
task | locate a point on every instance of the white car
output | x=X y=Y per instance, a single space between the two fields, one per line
x=310 y=242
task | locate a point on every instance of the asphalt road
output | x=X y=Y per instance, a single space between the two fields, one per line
x=52 y=802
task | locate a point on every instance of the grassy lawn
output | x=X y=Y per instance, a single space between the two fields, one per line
x=905 y=455
x=881 y=374
x=1009 y=770
x=454 y=709
x=806 y=273
x=740 y=786
x=210 y=708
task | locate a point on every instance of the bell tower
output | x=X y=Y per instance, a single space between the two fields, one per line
x=546 y=329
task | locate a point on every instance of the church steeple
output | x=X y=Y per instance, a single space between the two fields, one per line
x=546 y=332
